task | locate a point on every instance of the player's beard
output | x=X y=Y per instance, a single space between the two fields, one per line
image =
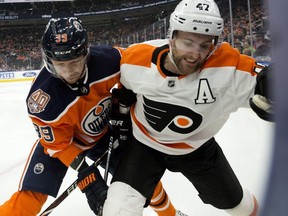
x=186 y=65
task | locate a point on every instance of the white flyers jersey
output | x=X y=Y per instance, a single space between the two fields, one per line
x=177 y=114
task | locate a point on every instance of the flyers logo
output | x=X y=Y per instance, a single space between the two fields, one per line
x=177 y=118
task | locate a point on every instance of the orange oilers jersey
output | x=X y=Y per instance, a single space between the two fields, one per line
x=70 y=119
x=177 y=114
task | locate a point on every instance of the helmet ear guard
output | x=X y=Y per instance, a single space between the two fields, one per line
x=196 y=16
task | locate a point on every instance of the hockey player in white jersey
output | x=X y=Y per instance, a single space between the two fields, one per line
x=186 y=87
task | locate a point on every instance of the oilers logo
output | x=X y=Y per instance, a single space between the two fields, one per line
x=38 y=168
x=97 y=118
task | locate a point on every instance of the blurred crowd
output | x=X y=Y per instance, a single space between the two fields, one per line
x=20 y=48
x=54 y=8
x=256 y=44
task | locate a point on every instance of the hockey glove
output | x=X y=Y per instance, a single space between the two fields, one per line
x=121 y=127
x=93 y=185
x=262 y=102
x=120 y=121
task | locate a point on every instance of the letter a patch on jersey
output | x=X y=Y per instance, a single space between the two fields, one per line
x=205 y=94
x=179 y=119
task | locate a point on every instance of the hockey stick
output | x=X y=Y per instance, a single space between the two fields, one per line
x=71 y=188
x=110 y=147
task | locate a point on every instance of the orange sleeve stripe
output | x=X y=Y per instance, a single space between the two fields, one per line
x=67 y=155
x=180 y=145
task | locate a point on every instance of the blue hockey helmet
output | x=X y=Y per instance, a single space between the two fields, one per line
x=64 y=39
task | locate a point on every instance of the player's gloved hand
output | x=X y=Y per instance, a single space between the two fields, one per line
x=120 y=121
x=121 y=127
x=93 y=185
x=262 y=102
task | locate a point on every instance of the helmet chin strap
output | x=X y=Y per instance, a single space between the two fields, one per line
x=85 y=70
x=215 y=42
x=171 y=57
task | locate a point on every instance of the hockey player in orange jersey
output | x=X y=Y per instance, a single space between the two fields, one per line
x=69 y=104
x=186 y=87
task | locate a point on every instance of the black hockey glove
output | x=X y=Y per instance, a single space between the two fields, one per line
x=120 y=121
x=121 y=127
x=93 y=185
x=262 y=101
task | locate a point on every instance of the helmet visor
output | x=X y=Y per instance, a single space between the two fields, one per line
x=191 y=46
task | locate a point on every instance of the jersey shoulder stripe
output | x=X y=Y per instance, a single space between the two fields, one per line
x=227 y=56
x=143 y=54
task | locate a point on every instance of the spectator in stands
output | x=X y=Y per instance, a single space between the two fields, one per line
x=247 y=49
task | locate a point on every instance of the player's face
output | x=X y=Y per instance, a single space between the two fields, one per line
x=71 y=71
x=190 y=50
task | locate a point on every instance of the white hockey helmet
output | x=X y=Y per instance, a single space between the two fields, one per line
x=196 y=16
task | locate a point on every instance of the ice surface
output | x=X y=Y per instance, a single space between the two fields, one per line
x=245 y=139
